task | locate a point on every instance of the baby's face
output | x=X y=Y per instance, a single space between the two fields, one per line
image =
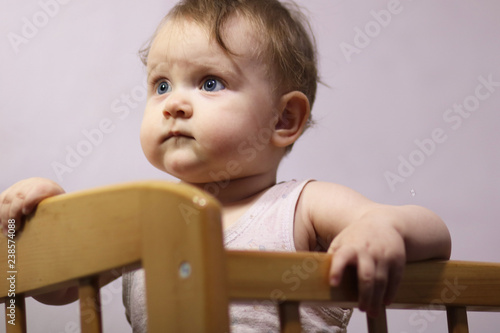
x=208 y=112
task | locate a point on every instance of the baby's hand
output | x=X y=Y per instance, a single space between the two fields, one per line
x=377 y=249
x=21 y=198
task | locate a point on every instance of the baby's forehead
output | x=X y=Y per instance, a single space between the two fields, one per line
x=238 y=37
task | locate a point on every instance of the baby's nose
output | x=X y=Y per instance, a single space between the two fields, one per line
x=176 y=113
x=177 y=106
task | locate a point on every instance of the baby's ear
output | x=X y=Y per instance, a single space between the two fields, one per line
x=294 y=112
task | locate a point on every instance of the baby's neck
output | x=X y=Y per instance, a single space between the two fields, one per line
x=239 y=190
x=238 y=195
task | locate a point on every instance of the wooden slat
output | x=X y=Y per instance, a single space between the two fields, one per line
x=436 y=283
x=289 y=317
x=184 y=262
x=285 y=276
x=377 y=324
x=457 y=283
x=90 y=305
x=457 y=319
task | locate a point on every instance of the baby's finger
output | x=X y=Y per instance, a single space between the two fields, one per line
x=366 y=282
x=17 y=198
x=10 y=197
x=35 y=194
x=15 y=211
x=380 y=282
x=394 y=279
x=341 y=259
x=5 y=203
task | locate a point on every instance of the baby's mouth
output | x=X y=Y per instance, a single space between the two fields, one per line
x=177 y=135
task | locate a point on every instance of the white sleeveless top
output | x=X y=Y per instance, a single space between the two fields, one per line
x=266 y=226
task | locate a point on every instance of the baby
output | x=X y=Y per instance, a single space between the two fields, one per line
x=231 y=85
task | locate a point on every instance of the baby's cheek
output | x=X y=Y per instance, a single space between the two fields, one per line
x=223 y=143
x=148 y=145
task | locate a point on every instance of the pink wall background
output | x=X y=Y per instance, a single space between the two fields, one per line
x=68 y=67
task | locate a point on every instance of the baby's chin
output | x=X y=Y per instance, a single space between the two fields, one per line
x=188 y=173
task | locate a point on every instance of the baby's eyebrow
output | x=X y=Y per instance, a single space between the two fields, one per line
x=210 y=68
x=151 y=69
x=224 y=68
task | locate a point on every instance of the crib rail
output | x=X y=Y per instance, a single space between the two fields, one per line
x=174 y=231
x=265 y=275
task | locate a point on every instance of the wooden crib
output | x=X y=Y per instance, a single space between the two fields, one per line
x=174 y=231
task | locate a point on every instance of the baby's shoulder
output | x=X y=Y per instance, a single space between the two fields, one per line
x=319 y=193
x=322 y=210
x=315 y=195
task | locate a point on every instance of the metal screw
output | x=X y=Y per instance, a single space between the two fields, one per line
x=200 y=201
x=185 y=270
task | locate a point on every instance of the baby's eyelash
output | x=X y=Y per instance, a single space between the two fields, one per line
x=213 y=77
x=154 y=80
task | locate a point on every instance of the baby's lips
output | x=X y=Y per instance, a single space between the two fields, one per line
x=173 y=135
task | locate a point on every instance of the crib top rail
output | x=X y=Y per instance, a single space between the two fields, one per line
x=116 y=225
x=303 y=276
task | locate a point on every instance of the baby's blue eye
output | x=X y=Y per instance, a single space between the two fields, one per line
x=163 y=88
x=213 y=85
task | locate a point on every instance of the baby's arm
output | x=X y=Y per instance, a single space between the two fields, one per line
x=20 y=200
x=377 y=239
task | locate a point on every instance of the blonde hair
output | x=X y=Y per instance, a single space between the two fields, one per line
x=287 y=43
